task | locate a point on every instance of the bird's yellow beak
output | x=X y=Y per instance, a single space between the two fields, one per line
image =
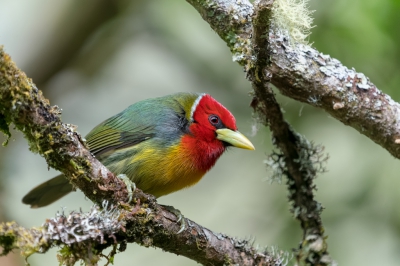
x=235 y=138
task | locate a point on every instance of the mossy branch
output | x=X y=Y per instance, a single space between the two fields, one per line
x=305 y=74
x=145 y=222
x=263 y=38
x=296 y=152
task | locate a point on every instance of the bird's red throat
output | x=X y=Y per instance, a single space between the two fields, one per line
x=202 y=154
x=201 y=145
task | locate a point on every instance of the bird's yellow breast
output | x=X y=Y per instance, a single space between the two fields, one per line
x=159 y=171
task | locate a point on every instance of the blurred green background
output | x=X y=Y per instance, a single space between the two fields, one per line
x=93 y=58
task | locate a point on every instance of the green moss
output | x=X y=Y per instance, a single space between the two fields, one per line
x=74 y=165
x=7 y=243
x=4 y=128
x=227 y=260
x=65 y=252
x=69 y=255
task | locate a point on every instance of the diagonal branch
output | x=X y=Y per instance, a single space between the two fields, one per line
x=304 y=74
x=83 y=236
x=146 y=223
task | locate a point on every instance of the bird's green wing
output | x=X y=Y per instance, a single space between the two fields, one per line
x=163 y=117
x=117 y=132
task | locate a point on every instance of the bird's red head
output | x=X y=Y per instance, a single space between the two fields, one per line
x=212 y=129
x=208 y=116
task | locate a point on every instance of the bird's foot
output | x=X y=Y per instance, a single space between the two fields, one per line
x=130 y=186
x=179 y=216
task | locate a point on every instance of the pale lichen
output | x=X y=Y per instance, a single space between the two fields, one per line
x=79 y=234
x=293 y=18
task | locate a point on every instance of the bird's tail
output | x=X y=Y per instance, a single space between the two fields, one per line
x=48 y=192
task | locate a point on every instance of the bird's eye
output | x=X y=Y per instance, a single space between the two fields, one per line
x=214 y=120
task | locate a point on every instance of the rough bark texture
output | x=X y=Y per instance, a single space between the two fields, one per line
x=309 y=76
x=304 y=74
x=296 y=152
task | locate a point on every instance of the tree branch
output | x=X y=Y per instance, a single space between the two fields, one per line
x=304 y=74
x=297 y=152
x=145 y=223
x=270 y=56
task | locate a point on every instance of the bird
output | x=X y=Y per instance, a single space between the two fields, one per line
x=161 y=144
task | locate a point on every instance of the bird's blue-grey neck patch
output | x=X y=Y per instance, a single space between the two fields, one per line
x=194 y=106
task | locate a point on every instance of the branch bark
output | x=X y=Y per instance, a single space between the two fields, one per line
x=304 y=74
x=145 y=223
x=296 y=152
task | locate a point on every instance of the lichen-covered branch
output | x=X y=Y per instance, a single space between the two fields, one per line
x=98 y=226
x=83 y=236
x=304 y=74
x=270 y=56
x=144 y=222
x=296 y=152
x=309 y=76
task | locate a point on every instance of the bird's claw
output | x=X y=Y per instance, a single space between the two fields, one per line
x=130 y=186
x=179 y=216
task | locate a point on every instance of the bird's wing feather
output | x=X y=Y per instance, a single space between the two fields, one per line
x=118 y=132
x=164 y=117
